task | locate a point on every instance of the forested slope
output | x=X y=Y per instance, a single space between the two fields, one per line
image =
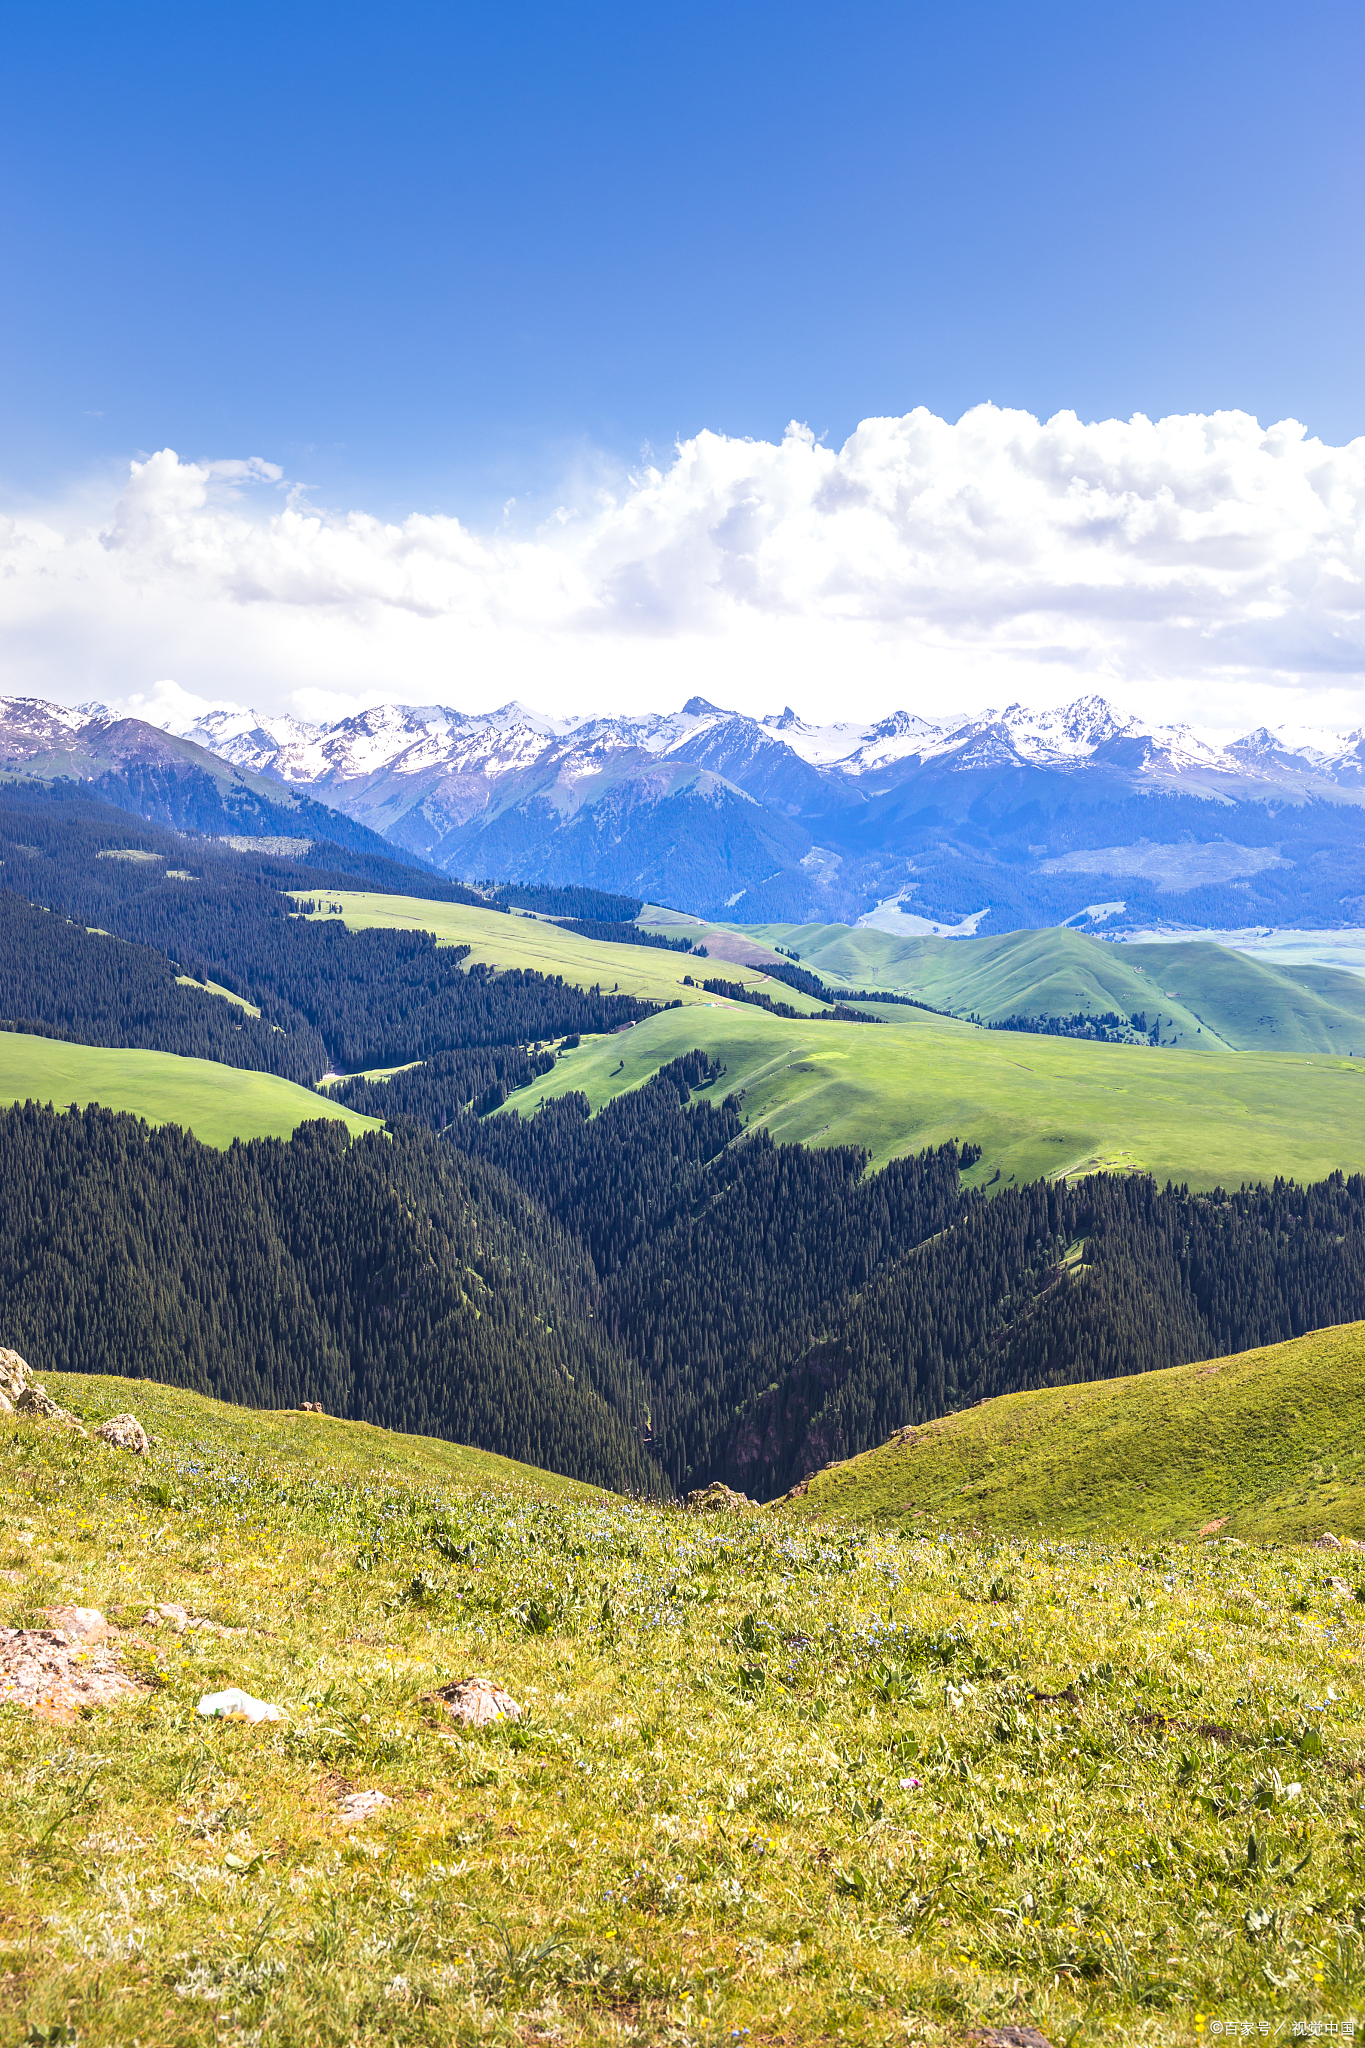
x=1058 y=1284
x=393 y=1280
x=349 y=999
x=60 y=981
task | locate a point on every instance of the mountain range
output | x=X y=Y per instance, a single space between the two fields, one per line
x=1081 y=814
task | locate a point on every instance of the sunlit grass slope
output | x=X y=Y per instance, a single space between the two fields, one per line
x=289 y=1442
x=1255 y=1002
x=217 y=1103
x=775 y=1782
x=1035 y=1105
x=1208 y=996
x=1270 y=1444
x=512 y=941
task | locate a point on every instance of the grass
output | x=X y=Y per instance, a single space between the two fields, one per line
x=1209 y=997
x=214 y=988
x=217 y=1103
x=1037 y=1106
x=511 y=941
x=1267 y=1444
x=777 y=1780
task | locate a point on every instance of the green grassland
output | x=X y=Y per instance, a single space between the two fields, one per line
x=501 y=940
x=1268 y=1444
x=1207 y=995
x=217 y=1103
x=213 y=988
x=776 y=1780
x=1036 y=1106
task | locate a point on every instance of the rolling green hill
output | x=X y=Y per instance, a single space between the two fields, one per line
x=1037 y=1106
x=217 y=1103
x=307 y=1447
x=819 y=1778
x=1266 y=1445
x=503 y=940
x=1215 y=999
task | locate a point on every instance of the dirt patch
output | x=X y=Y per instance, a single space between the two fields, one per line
x=1212 y=1731
x=167 y=1614
x=740 y=952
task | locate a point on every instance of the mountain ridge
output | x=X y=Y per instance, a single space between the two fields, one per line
x=1010 y=817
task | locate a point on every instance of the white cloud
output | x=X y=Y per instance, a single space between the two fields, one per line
x=1198 y=567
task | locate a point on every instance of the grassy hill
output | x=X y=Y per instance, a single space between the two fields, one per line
x=523 y=941
x=308 y=1447
x=1267 y=1444
x=1035 y=1105
x=773 y=1782
x=217 y=1103
x=1208 y=996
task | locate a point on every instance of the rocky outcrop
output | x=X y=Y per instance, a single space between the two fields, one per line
x=20 y=1393
x=718 y=1498
x=62 y=1671
x=13 y=1379
x=125 y=1433
x=476 y=1702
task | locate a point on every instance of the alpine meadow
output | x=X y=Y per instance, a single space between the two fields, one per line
x=682 y=1027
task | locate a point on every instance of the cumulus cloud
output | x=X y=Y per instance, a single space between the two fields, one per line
x=1201 y=566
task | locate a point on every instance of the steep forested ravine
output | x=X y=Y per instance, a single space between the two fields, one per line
x=391 y=1279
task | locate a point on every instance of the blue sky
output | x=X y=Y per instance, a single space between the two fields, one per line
x=419 y=353
x=436 y=257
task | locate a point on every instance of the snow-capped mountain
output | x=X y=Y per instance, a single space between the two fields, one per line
x=419 y=741
x=774 y=818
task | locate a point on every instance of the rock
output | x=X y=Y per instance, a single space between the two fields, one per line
x=58 y=1675
x=125 y=1433
x=360 y=1805
x=1327 y=1541
x=14 y=1375
x=167 y=1610
x=236 y=1705
x=1008 y=2037
x=1341 y=1589
x=179 y=1618
x=718 y=1496
x=81 y=1624
x=476 y=1702
x=34 y=1401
